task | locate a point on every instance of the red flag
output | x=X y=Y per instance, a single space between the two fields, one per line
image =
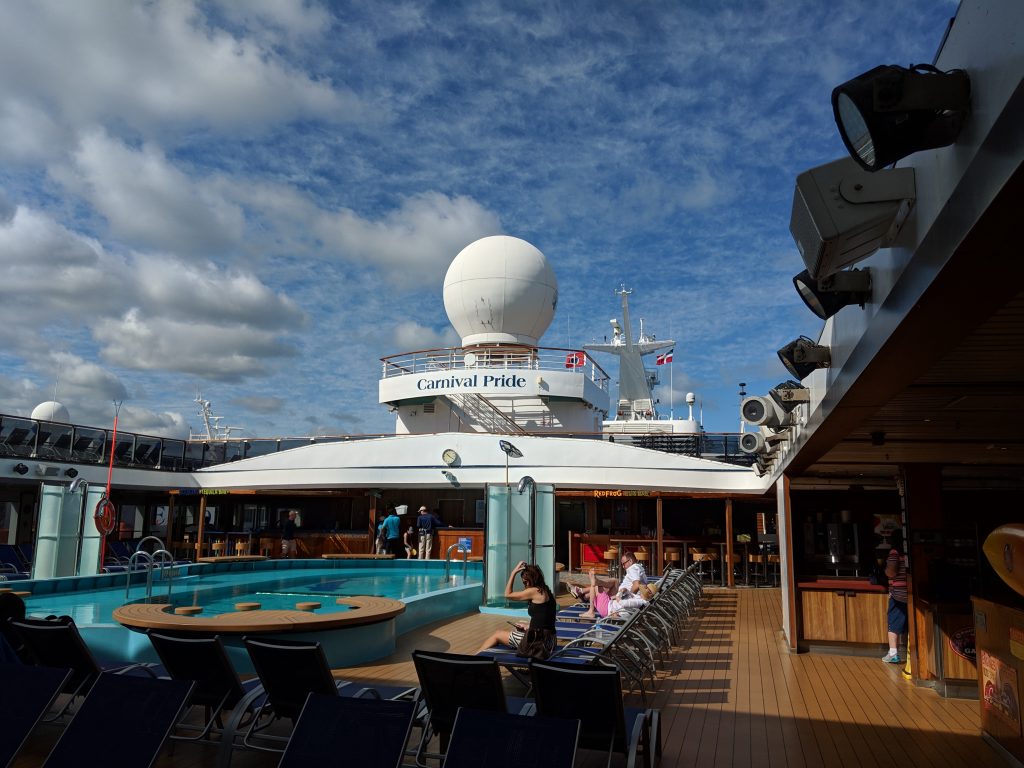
x=575 y=360
x=664 y=358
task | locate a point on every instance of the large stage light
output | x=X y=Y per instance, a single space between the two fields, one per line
x=890 y=112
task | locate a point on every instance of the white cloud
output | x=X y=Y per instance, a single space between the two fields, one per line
x=153 y=66
x=215 y=352
x=147 y=201
x=419 y=239
x=410 y=335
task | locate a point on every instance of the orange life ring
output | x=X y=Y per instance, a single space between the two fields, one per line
x=105 y=516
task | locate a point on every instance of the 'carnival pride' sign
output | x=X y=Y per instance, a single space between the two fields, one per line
x=503 y=381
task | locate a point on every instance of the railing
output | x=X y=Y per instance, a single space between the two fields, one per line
x=448 y=560
x=501 y=358
x=166 y=568
x=33 y=440
x=481 y=410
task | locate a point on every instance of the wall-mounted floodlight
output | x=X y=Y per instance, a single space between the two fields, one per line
x=842 y=214
x=789 y=394
x=827 y=295
x=890 y=112
x=760 y=466
x=762 y=442
x=764 y=411
x=21 y=469
x=802 y=356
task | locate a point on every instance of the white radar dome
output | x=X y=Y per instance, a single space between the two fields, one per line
x=51 y=410
x=500 y=290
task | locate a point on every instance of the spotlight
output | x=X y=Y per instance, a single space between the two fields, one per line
x=764 y=411
x=510 y=450
x=71 y=472
x=802 y=356
x=763 y=442
x=827 y=295
x=842 y=214
x=890 y=112
x=21 y=469
x=760 y=466
x=789 y=394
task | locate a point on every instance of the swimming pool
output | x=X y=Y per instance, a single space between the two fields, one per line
x=275 y=584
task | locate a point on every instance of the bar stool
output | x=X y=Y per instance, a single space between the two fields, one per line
x=241 y=547
x=700 y=557
x=773 y=563
x=757 y=574
x=642 y=556
x=734 y=563
x=218 y=548
x=671 y=558
x=611 y=559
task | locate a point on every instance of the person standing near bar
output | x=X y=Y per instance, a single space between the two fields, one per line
x=896 y=572
x=425 y=525
x=288 y=545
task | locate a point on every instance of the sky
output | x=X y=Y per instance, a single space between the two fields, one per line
x=258 y=200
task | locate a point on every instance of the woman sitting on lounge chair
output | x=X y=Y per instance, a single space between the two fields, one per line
x=542 y=607
x=603 y=603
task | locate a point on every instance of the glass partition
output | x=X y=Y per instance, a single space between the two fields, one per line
x=17 y=437
x=87 y=445
x=172 y=454
x=147 y=451
x=53 y=441
x=507 y=537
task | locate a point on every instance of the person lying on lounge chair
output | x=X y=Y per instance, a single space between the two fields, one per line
x=542 y=607
x=603 y=603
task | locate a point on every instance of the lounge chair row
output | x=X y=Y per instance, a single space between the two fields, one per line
x=636 y=642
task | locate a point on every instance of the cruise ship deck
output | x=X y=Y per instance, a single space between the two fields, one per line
x=733 y=695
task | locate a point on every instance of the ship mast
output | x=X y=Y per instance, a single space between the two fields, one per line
x=636 y=401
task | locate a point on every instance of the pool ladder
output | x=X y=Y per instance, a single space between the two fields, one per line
x=448 y=559
x=166 y=570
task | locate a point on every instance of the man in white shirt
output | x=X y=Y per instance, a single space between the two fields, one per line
x=632 y=572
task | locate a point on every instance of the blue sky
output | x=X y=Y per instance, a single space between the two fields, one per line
x=260 y=199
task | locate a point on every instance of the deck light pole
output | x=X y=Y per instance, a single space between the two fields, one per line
x=510 y=451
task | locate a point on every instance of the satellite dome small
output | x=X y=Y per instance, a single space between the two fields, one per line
x=51 y=410
x=500 y=290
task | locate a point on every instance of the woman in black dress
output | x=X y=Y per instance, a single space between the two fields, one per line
x=541 y=607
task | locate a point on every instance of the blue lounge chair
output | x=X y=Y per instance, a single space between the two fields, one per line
x=57 y=643
x=143 y=710
x=26 y=693
x=11 y=564
x=593 y=694
x=288 y=672
x=218 y=688
x=449 y=681
x=370 y=733
x=501 y=740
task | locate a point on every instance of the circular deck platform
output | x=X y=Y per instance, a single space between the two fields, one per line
x=366 y=610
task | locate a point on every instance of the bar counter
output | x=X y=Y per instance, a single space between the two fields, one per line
x=838 y=610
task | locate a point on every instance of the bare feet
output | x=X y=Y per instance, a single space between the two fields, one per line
x=588 y=615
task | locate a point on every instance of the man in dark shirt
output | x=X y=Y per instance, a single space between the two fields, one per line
x=425 y=524
x=288 y=546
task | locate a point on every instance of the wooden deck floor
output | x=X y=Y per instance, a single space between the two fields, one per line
x=733 y=696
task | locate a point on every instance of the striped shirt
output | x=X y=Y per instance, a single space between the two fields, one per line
x=897 y=583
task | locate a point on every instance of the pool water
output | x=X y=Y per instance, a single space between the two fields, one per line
x=218 y=592
x=275 y=584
